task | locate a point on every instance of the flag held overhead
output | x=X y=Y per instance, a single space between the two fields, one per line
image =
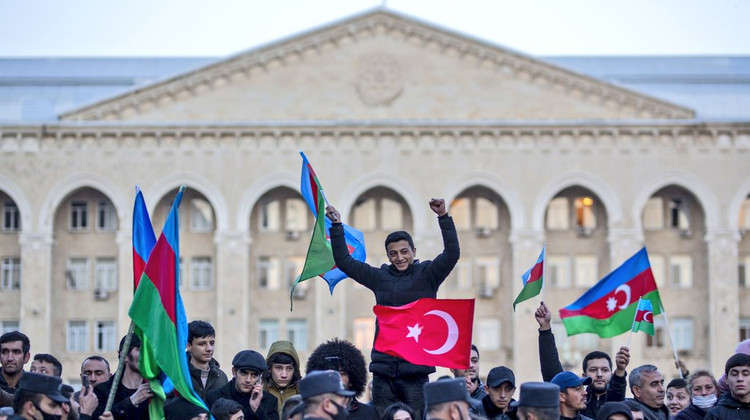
x=533 y=280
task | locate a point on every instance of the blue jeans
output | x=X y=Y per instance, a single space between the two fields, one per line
x=408 y=390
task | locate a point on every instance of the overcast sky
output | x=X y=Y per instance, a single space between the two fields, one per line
x=224 y=27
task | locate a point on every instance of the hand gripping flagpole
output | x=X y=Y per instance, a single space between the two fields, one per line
x=671 y=340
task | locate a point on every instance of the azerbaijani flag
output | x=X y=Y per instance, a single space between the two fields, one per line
x=310 y=189
x=533 y=280
x=608 y=308
x=144 y=238
x=644 y=317
x=159 y=318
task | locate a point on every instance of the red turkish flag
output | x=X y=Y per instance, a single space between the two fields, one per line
x=431 y=332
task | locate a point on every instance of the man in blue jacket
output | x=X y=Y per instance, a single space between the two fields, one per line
x=403 y=281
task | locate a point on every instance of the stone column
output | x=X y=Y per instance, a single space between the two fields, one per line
x=125 y=281
x=623 y=244
x=36 y=287
x=723 y=295
x=233 y=298
x=527 y=244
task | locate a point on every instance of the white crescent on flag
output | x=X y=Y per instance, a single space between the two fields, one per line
x=452 y=338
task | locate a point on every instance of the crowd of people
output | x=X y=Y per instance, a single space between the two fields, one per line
x=273 y=387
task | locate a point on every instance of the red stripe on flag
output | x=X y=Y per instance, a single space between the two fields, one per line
x=161 y=272
x=138 y=266
x=536 y=272
x=313 y=183
x=620 y=298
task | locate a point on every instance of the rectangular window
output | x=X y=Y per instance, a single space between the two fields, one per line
x=10 y=278
x=78 y=337
x=744 y=329
x=364 y=215
x=743 y=270
x=659 y=339
x=293 y=268
x=744 y=219
x=201 y=216
x=683 y=333
x=391 y=215
x=586 y=268
x=585 y=217
x=78 y=215
x=678 y=214
x=460 y=211
x=78 y=274
x=105 y=274
x=9 y=326
x=104 y=339
x=268 y=273
x=296 y=215
x=201 y=273
x=106 y=216
x=558 y=217
x=488 y=272
x=680 y=271
x=463 y=275
x=296 y=332
x=364 y=333
x=653 y=214
x=558 y=271
x=488 y=334
x=11 y=217
x=268 y=332
x=487 y=214
x=657 y=268
x=269 y=216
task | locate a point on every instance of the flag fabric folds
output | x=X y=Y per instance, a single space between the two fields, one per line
x=608 y=308
x=644 y=317
x=355 y=241
x=159 y=317
x=533 y=280
x=144 y=238
x=431 y=332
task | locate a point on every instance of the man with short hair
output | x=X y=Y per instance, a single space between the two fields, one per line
x=15 y=349
x=283 y=371
x=647 y=386
x=473 y=383
x=96 y=368
x=447 y=400
x=38 y=397
x=205 y=372
x=226 y=409
x=500 y=387
x=323 y=396
x=735 y=404
x=597 y=365
x=132 y=393
x=46 y=364
x=246 y=388
x=572 y=395
x=538 y=401
x=403 y=281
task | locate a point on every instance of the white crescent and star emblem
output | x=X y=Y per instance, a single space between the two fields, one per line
x=649 y=317
x=450 y=340
x=612 y=301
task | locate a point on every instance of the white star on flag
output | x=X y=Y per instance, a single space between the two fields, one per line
x=414 y=332
x=611 y=304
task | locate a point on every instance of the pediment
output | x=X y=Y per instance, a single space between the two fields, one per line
x=379 y=65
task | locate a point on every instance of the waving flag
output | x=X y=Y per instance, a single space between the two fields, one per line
x=644 y=317
x=355 y=241
x=533 y=280
x=159 y=317
x=431 y=332
x=144 y=238
x=608 y=308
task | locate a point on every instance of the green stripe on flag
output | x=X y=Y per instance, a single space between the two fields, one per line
x=529 y=291
x=620 y=321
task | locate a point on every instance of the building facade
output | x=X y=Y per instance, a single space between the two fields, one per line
x=391 y=111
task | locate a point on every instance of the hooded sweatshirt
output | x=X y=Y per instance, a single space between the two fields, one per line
x=281 y=394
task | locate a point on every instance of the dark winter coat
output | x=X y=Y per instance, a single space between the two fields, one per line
x=216 y=378
x=397 y=288
x=729 y=408
x=267 y=410
x=123 y=408
x=661 y=413
x=691 y=412
x=487 y=409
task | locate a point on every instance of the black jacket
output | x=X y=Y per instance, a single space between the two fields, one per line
x=549 y=361
x=396 y=288
x=216 y=378
x=490 y=411
x=267 y=410
x=578 y=416
x=123 y=408
x=729 y=408
x=691 y=412
x=661 y=413
x=359 y=411
x=5 y=387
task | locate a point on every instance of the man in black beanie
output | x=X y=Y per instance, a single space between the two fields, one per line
x=736 y=404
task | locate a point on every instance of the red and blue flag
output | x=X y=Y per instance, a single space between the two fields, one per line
x=144 y=238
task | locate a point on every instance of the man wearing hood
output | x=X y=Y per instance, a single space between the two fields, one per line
x=204 y=369
x=282 y=372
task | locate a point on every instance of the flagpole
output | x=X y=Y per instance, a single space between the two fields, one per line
x=671 y=340
x=633 y=326
x=544 y=273
x=120 y=366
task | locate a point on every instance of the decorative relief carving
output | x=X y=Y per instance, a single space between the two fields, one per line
x=379 y=79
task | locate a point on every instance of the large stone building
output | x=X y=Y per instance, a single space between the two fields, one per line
x=595 y=157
